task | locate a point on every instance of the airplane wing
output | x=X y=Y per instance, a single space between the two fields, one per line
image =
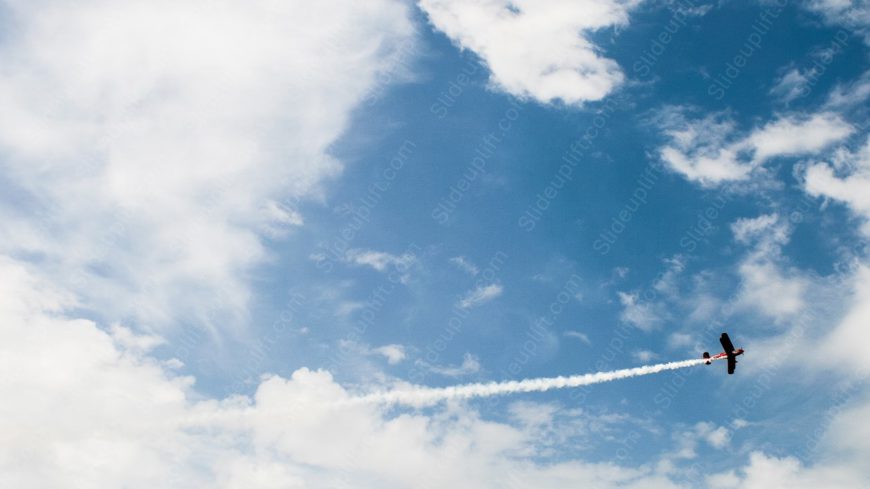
x=732 y=364
x=726 y=344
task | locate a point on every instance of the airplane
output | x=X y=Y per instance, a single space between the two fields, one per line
x=730 y=353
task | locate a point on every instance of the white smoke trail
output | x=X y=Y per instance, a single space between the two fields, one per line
x=424 y=396
x=416 y=396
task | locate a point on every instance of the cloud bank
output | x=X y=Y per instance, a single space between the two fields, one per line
x=152 y=144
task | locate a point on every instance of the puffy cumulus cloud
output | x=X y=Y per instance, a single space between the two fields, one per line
x=764 y=471
x=839 y=458
x=153 y=143
x=711 y=152
x=536 y=49
x=70 y=416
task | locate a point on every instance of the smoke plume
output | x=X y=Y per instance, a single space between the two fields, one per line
x=424 y=396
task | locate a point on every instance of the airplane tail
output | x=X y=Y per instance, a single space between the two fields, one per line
x=707 y=355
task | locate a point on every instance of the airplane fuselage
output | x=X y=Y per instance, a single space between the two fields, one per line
x=717 y=356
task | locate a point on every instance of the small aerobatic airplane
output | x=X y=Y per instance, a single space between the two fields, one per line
x=730 y=352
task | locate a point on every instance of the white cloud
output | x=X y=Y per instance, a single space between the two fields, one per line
x=851 y=95
x=680 y=340
x=470 y=365
x=771 y=290
x=643 y=355
x=848 y=435
x=533 y=414
x=791 y=136
x=846 y=180
x=751 y=228
x=767 y=285
x=134 y=342
x=480 y=295
x=688 y=441
x=824 y=318
x=717 y=437
x=709 y=151
x=347 y=308
x=698 y=11
x=380 y=260
x=667 y=282
x=845 y=345
x=279 y=219
x=465 y=265
x=700 y=149
x=707 y=169
x=791 y=85
x=852 y=14
x=536 y=48
x=157 y=141
x=69 y=418
x=739 y=423
x=576 y=334
x=765 y=471
x=393 y=353
x=645 y=316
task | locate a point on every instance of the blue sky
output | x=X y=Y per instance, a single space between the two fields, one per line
x=213 y=233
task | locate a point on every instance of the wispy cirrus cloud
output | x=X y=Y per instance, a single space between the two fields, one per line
x=711 y=152
x=768 y=284
x=845 y=178
x=480 y=295
x=643 y=315
x=470 y=365
x=465 y=265
x=852 y=14
x=578 y=335
x=791 y=85
x=393 y=353
x=379 y=260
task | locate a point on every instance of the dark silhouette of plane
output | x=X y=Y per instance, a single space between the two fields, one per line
x=730 y=353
